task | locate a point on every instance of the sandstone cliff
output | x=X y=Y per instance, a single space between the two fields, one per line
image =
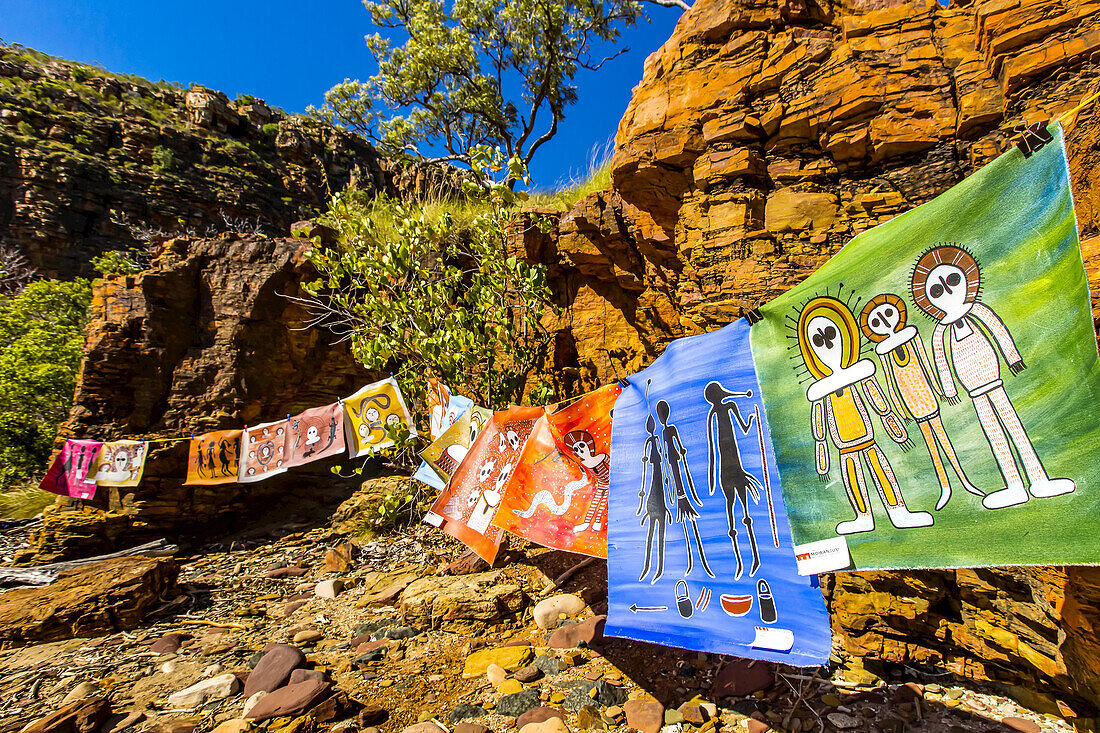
x=92 y=161
x=761 y=138
x=205 y=339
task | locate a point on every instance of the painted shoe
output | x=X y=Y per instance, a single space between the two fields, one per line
x=862 y=523
x=902 y=518
x=1052 y=487
x=580 y=528
x=1008 y=496
x=597 y=526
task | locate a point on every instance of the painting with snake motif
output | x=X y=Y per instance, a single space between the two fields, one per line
x=371 y=413
x=932 y=388
x=557 y=495
x=473 y=494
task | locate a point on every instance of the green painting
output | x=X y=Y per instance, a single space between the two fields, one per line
x=933 y=390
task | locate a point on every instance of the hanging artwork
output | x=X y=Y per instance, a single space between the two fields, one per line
x=557 y=495
x=932 y=388
x=315 y=434
x=445 y=409
x=466 y=507
x=212 y=458
x=72 y=472
x=703 y=553
x=368 y=415
x=449 y=450
x=263 y=451
x=121 y=463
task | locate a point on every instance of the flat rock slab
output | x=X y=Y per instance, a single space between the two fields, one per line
x=743 y=677
x=289 y=700
x=645 y=714
x=442 y=601
x=82 y=716
x=510 y=658
x=112 y=595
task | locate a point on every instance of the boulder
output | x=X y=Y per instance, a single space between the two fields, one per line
x=585 y=633
x=454 y=602
x=538 y=715
x=274 y=668
x=741 y=677
x=107 y=596
x=547 y=611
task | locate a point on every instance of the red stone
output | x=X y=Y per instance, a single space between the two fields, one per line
x=743 y=677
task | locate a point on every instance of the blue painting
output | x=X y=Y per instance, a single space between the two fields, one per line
x=702 y=552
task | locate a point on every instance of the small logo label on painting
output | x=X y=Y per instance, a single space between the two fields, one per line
x=777 y=640
x=822 y=556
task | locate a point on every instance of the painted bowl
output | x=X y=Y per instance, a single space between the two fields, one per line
x=736 y=605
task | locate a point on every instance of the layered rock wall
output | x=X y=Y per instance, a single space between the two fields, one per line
x=208 y=338
x=762 y=137
x=92 y=161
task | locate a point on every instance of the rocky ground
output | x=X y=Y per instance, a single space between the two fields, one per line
x=309 y=630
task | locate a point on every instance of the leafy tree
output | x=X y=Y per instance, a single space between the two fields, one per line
x=41 y=341
x=430 y=290
x=475 y=75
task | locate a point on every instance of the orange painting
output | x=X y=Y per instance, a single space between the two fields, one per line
x=466 y=506
x=557 y=495
x=212 y=458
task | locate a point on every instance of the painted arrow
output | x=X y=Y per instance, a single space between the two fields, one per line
x=634 y=608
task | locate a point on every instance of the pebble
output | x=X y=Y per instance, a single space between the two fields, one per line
x=518 y=703
x=614 y=712
x=464 y=711
x=426 y=727
x=553 y=725
x=589 y=718
x=306 y=675
x=233 y=726
x=212 y=670
x=530 y=673
x=844 y=721
x=547 y=665
x=673 y=716
x=251 y=701
x=81 y=691
x=1021 y=724
x=468 y=727
x=290 y=608
x=329 y=588
x=549 y=610
x=757 y=726
x=168 y=667
x=214 y=688
x=169 y=643
x=586 y=633
x=510 y=687
x=830 y=699
x=496 y=674
x=538 y=715
x=308 y=636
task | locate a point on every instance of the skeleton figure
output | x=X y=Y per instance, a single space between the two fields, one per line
x=945 y=285
x=910 y=384
x=583 y=446
x=843 y=384
x=675 y=459
x=724 y=465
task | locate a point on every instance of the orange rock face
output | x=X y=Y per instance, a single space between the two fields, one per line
x=762 y=137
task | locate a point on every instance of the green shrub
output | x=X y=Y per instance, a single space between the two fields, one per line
x=41 y=341
x=164 y=159
x=271 y=129
x=431 y=290
x=120 y=262
x=83 y=142
x=26 y=129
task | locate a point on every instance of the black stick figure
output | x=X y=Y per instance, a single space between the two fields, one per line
x=224 y=456
x=656 y=511
x=200 y=462
x=725 y=468
x=675 y=455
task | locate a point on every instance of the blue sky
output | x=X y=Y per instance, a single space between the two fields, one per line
x=289 y=53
